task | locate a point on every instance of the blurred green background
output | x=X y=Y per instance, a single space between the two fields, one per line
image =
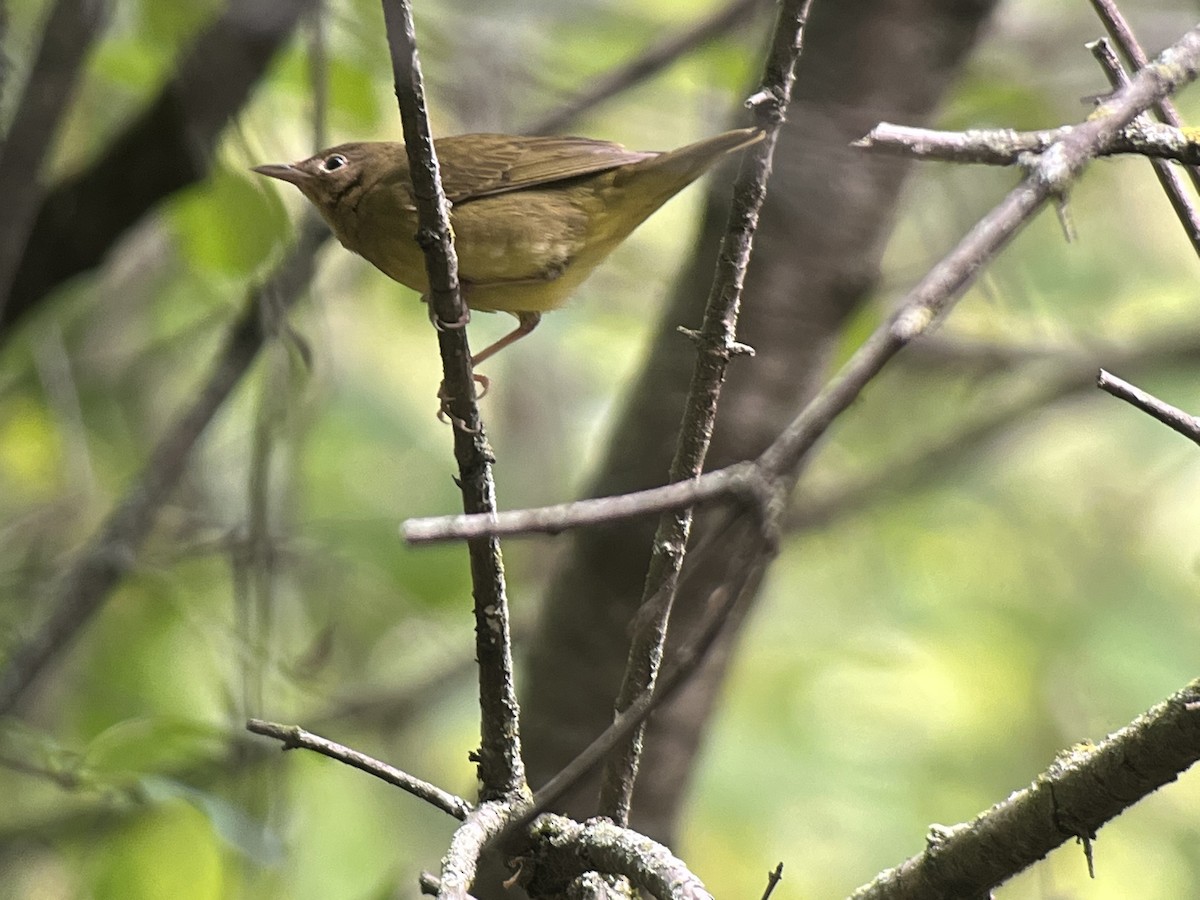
x=917 y=656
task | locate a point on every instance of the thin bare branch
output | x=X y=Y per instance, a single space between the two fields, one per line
x=1168 y=176
x=294 y=737
x=733 y=480
x=735 y=15
x=501 y=770
x=773 y=879
x=1122 y=34
x=717 y=345
x=1085 y=787
x=1006 y=147
x=684 y=663
x=1173 y=417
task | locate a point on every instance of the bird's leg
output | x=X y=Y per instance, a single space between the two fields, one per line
x=526 y=322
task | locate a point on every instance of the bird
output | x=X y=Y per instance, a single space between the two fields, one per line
x=532 y=216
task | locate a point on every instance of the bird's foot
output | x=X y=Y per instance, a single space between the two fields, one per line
x=441 y=325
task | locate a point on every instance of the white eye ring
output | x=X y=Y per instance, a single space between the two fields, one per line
x=333 y=163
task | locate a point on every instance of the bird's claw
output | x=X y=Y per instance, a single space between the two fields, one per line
x=445 y=399
x=441 y=325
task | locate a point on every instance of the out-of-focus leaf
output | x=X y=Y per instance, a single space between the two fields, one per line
x=229 y=224
x=172 y=852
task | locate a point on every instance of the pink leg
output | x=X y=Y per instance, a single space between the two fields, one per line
x=526 y=322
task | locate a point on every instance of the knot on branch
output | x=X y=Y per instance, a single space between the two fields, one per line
x=768 y=106
x=725 y=347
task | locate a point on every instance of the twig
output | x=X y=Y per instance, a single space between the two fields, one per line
x=1170 y=179
x=935 y=457
x=1174 y=418
x=654 y=59
x=773 y=879
x=717 y=344
x=1006 y=147
x=1119 y=30
x=501 y=770
x=1085 y=787
x=684 y=663
x=293 y=737
x=82 y=589
x=737 y=479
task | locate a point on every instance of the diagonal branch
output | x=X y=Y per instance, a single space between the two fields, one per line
x=717 y=345
x=1173 y=417
x=1085 y=787
x=501 y=770
x=1120 y=31
x=736 y=14
x=1168 y=177
x=293 y=737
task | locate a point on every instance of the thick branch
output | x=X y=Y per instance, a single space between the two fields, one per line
x=1085 y=787
x=462 y=858
x=564 y=849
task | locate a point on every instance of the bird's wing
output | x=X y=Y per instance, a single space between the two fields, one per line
x=482 y=165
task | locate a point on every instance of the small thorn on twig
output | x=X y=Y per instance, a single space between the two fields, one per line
x=690 y=333
x=1064 y=218
x=1086 y=840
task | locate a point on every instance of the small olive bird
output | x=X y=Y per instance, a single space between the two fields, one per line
x=532 y=216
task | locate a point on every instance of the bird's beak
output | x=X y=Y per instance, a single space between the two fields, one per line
x=282 y=171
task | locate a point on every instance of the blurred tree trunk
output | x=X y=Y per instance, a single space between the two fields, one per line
x=817 y=253
x=162 y=150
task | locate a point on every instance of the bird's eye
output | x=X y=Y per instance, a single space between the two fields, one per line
x=333 y=163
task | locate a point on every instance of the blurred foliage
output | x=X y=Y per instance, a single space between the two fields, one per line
x=911 y=662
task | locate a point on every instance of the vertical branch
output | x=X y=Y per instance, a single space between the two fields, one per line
x=501 y=770
x=318 y=73
x=1168 y=176
x=716 y=345
x=1122 y=34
